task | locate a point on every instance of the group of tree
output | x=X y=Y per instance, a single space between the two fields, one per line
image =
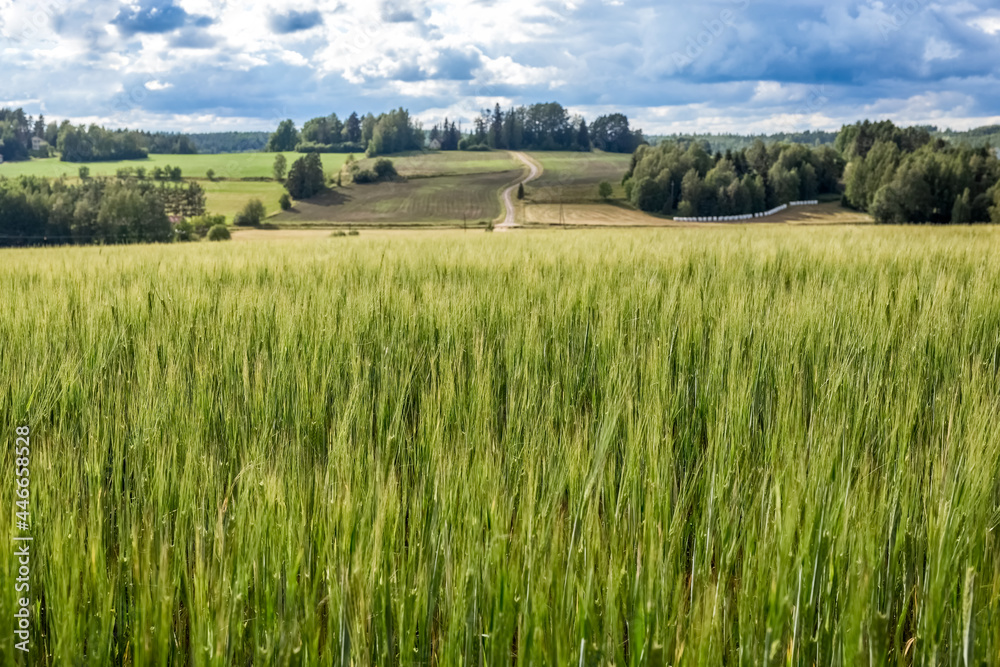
x=685 y=179
x=905 y=175
x=39 y=211
x=305 y=178
x=82 y=143
x=612 y=134
x=17 y=130
x=78 y=143
x=36 y=211
x=547 y=126
x=391 y=132
x=157 y=173
x=543 y=127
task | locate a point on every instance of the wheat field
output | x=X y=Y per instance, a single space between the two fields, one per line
x=736 y=446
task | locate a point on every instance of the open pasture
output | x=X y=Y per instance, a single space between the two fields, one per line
x=225 y=165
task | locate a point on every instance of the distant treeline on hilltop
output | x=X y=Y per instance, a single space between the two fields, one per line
x=22 y=137
x=736 y=142
x=230 y=142
x=79 y=143
x=543 y=127
x=977 y=138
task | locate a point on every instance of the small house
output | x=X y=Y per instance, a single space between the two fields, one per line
x=36 y=143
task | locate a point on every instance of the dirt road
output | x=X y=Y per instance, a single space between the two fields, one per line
x=508 y=194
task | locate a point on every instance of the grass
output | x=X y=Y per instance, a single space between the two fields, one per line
x=228 y=197
x=686 y=447
x=573 y=177
x=442 y=200
x=225 y=165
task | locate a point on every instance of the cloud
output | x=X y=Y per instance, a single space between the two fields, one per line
x=400 y=11
x=156 y=16
x=717 y=64
x=294 y=21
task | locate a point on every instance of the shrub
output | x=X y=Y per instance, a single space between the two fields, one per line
x=363 y=176
x=203 y=223
x=84 y=173
x=285 y=202
x=520 y=191
x=219 y=233
x=184 y=231
x=251 y=215
x=605 y=190
x=211 y=174
x=354 y=232
x=385 y=170
x=339 y=233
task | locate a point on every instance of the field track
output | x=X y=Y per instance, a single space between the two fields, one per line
x=508 y=194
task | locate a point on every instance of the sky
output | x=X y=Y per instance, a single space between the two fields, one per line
x=717 y=66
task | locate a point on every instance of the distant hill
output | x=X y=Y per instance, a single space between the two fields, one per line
x=230 y=142
x=980 y=136
x=724 y=142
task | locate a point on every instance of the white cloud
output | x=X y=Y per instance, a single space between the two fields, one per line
x=937 y=49
x=801 y=63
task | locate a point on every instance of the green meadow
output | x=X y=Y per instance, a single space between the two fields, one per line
x=753 y=446
x=225 y=165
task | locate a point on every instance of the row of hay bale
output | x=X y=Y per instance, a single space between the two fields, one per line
x=738 y=218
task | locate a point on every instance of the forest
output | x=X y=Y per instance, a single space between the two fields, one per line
x=907 y=176
x=80 y=143
x=683 y=178
x=37 y=211
x=897 y=175
x=543 y=127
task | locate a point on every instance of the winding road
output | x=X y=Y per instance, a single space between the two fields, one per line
x=508 y=194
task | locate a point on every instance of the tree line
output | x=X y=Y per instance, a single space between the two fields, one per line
x=79 y=143
x=543 y=127
x=905 y=175
x=685 y=179
x=734 y=142
x=547 y=126
x=229 y=142
x=38 y=211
